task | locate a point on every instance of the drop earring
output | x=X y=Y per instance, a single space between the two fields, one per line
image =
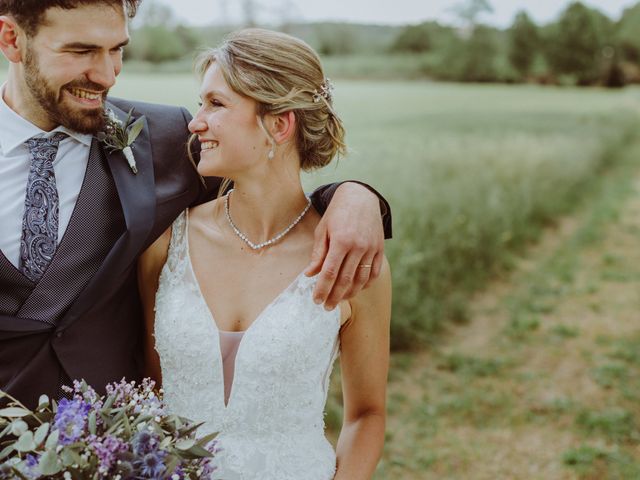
x=271 y=153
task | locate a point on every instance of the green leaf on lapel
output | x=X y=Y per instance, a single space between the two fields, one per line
x=135 y=130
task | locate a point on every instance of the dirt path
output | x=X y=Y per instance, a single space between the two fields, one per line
x=544 y=382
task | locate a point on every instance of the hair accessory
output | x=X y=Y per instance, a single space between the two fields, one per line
x=326 y=91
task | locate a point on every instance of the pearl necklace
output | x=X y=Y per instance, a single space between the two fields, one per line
x=266 y=243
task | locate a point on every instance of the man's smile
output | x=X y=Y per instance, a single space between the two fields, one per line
x=85 y=97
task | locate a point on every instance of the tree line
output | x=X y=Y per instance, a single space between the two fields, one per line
x=582 y=46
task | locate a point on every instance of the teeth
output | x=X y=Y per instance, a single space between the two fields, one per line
x=209 y=145
x=76 y=92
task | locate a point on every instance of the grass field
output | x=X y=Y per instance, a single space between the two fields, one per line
x=473 y=172
x=542 y=383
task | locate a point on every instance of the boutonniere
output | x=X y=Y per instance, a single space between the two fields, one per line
x=119 y=135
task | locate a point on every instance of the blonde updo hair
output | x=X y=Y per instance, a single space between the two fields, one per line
x=282 y=73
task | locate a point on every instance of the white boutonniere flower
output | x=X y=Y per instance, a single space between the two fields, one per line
x=119 y=135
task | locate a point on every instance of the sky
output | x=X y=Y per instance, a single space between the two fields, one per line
x=389 y=12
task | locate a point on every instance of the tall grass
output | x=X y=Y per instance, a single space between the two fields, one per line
x=472 y=172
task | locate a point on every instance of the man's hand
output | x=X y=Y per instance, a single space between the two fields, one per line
x=349 y=245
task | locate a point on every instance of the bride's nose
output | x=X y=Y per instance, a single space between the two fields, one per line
x=197 y=125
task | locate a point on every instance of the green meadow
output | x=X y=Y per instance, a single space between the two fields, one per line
x=473 y=174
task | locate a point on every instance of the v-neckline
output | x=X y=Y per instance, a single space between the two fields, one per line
x=212 y=319
x=197 y=283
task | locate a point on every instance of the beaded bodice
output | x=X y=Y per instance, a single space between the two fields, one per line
x=272 y=426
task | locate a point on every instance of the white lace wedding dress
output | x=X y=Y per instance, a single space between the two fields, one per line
x=272 y=427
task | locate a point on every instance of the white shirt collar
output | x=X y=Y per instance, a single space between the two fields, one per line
x=16 y=130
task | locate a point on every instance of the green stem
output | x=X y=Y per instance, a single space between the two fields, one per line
x=18 y=403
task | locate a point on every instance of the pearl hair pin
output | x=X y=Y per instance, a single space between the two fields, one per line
x=326 y=91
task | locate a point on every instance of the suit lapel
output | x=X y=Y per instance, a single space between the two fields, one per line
x=138 y=200
x=136 y=191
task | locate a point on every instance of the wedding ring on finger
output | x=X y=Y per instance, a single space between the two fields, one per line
x=364 y=265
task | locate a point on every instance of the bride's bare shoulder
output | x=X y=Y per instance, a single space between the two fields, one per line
x=207 y=215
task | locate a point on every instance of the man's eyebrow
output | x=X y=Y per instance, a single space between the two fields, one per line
x=90 y=46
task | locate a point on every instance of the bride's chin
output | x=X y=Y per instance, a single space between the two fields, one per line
x=209 y=169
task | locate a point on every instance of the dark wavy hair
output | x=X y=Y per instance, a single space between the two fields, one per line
x=31 y=13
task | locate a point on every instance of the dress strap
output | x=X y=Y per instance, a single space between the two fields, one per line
x=178 y=244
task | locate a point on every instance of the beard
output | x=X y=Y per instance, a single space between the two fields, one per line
x=84 y=120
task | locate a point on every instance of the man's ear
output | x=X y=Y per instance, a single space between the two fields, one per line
x=9 y=34
x=283 y=127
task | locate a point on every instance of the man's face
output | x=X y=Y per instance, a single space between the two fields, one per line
x=70 y=64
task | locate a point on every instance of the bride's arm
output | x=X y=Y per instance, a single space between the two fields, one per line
x=150 y=264
x=364 y=359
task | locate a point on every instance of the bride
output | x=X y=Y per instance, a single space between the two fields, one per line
x=240 y=343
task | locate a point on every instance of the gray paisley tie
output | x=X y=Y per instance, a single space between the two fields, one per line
x=40 y=223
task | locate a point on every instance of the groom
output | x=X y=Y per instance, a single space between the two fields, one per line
x=74 y=216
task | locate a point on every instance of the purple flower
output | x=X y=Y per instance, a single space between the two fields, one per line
x=206 y=464
x=16 y=467
x=123 y=392
x=30 y=469
x=208 y=468
x=70 y=420
x=144 y=442
x=152 y=465
x=106 y=449
x=150 y=460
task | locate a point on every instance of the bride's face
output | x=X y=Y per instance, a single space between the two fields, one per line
x=227 y=126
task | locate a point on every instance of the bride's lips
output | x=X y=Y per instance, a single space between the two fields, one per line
x=85 y=97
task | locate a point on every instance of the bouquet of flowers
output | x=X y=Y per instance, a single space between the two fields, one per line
x=122 y=435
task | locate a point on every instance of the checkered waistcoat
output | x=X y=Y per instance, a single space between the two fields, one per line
x=83 y=319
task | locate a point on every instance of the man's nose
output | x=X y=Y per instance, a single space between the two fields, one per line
x=104 y=71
